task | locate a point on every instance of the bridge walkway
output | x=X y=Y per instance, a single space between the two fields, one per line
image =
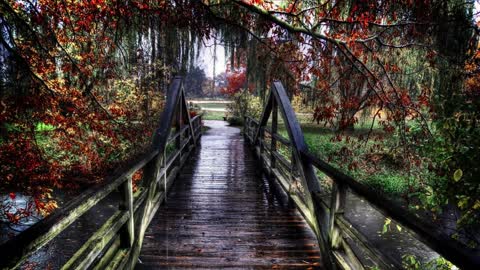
x=223 y=213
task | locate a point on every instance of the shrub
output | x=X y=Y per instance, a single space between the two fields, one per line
x=244 y=104
x=299 y=104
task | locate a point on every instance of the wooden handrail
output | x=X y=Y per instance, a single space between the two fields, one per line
x=330 y=228
x=121 y=225
x=445 y=246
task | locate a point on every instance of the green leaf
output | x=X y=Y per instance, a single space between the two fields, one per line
x=388 y=221
x=476 y=205
x=386 y=226
x=457 y=175
x=463 y=202
x=399 y=228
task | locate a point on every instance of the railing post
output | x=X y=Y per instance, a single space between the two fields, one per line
x=195 y=126
x=128 y=233
x=178 y=140
x=337 y=207
x=273 y=146
x=245 y=128
x=164 y=165
x=292 y=167
x=249 y=134
x=252 y=131
x=261 y=139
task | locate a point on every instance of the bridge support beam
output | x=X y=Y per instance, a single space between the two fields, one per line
x=278 y=101
x=128 y=232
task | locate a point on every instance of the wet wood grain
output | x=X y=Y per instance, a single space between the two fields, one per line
x=222 y=213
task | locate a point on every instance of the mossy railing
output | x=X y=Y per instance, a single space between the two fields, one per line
x=342 y=246
x=117 y=243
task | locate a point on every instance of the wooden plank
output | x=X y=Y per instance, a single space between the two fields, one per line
x=228 y=218
x=273 y=141
x=109 y=255
x=460 y=255
x=360 y=240
x=128 y=232
x=264 y=119
x=95 y=245
x=103 y=236
x=176 y=97
x=32 y=239
x=166 y=120
x=177 y=134
x=19 y=248
x=178 y=127
x=337 y=205
x=305 y=169
x=453 y=251
x=287 y=164
x=186 y=113
x=295 y=134
x=278 y=137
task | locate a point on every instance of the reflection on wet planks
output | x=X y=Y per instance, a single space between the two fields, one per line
x=222 y=213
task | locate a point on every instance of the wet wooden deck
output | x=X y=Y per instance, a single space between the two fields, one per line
x=222 y=213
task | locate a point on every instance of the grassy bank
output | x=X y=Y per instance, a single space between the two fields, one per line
x=375 y=162
x=209 y=115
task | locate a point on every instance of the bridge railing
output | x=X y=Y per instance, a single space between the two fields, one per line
x=117 y=243
x=289 y=161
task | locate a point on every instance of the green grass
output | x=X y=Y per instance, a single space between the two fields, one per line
x=387 y=175
x=213 y=115
x=390 y=182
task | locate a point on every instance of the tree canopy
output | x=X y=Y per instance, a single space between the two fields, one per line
x=81 y=80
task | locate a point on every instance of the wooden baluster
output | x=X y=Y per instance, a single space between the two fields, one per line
x=337 y=207
x=192 y=132
x=292 y=169
x=245 y=128
x=245 y=123
x=195 y=128
x=128 y=232
x=178 y=140
x=164 y=161
x=273 y=145
x=197 y=125
x=261 y=140
x=252 y=131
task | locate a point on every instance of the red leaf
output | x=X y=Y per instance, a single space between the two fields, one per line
x=12 y=196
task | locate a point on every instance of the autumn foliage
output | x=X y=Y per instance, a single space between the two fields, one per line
x=84 y=103
x=236 y=81
x=69 y=114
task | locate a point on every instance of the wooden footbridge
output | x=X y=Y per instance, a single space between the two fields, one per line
x=250 y=201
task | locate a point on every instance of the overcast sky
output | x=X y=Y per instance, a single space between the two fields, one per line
x=205 y=60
